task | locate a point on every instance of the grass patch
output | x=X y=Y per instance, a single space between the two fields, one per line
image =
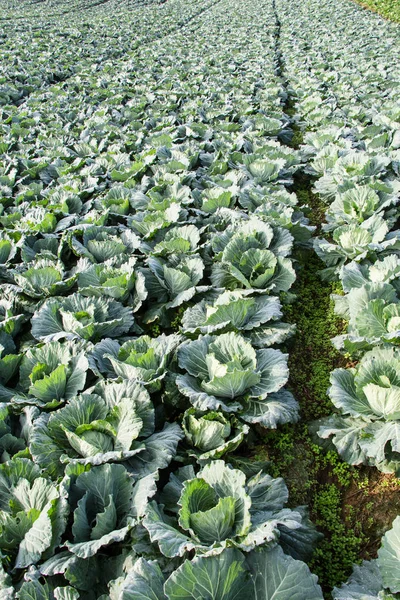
x=312 y=356
x=320 y=480
x=389 y=9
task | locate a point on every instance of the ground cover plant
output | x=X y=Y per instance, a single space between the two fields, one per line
x=199 y=263
x=387 y=8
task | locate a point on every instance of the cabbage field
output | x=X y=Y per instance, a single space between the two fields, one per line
x=199 y=300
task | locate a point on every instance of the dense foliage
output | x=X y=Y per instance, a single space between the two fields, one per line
x=148 y=223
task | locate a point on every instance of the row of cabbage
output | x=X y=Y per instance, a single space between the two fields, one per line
x=347 y=104
x=37 y=51
x=151 y=201
x=84 y=135
x=46 y=47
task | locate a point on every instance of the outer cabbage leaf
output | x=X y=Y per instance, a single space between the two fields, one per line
x=33 y=589
x=276 y=576
x=389 y=558
x=345 y=433
x=376 y=579
x=145 y=582
x=220 y=577
x=365 y=583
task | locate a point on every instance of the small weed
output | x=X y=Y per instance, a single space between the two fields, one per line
x=177 y=321
x=154 y=330
x=312 y=356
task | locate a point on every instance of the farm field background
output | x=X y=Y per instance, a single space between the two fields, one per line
x=199 y=300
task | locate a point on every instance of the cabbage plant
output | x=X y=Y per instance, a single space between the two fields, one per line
x=357 y=205
x=357 y=242
x=52 y=373
x=263 y=170
x=210 y=435
x=367 y=428
x=34 y=248
x=111 y=279
x=11 y=441
x=216 y=197
x=106 y=502
x=44 y=278
x=184 y=239
x=9 y=359
x=79 y=317
x=257 y=318
x=344 y=172
x=161 y=193
x=387 y=270
x=12 y=315
x=278 y=215
x=172 y=282
x=252 y=255
x=113 y=423
x=373 y=311
x=8 y=250
x=33 y=513
x=99 y=244
x=143 y=359
x=252 y=197
x=219 y=509
x=29 y=219
x=266 y=574
x=225 y=372
x=150 y=222
x=116 y=201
